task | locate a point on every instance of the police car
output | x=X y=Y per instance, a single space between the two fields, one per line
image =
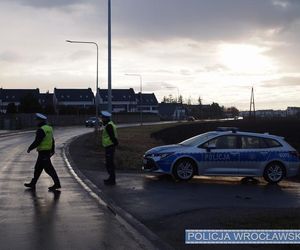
x=226 y=152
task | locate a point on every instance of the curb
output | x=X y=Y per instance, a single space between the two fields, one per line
x=146 y=238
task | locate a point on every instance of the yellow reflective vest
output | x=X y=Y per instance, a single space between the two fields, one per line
x=47 y=142
x=106 y=141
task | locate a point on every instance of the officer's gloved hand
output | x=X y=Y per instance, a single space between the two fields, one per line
x=28 y=150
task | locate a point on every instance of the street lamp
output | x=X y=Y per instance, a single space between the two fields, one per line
x=141 y=93
x=97 y=96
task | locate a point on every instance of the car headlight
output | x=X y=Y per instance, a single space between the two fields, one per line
x=160 y=155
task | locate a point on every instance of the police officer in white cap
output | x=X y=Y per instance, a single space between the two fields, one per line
x=109 y=142
x=45 y=145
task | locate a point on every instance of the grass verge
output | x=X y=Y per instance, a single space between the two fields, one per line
x=134 y=142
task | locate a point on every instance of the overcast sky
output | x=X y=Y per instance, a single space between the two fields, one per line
x=215 y=49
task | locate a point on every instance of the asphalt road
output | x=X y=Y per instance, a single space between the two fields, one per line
x=70 y=219
x=168 y=208
x=151 y=197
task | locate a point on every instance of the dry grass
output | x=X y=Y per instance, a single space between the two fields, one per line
x=134 y=142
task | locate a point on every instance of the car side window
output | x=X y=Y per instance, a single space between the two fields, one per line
x=252 y=142
x=222 y=142
x=272 y=143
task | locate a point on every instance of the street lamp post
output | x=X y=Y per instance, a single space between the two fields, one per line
x=141 y=95
x=97 y=96
x=109 y=94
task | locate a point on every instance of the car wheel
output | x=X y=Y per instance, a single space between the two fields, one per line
x=274 y=172
x=184 y=169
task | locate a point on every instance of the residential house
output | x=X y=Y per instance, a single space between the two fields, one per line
x=75 y=98
x=293 y=111
x=15 y=96
x=123 y=100
x=147 y=103
x=47 y=103
x=46 y=99
x=172 y=111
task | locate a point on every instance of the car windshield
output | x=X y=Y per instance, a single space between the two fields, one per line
x=197 y=140
x=93 y=118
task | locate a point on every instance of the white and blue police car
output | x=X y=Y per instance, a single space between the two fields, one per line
x=226 y=152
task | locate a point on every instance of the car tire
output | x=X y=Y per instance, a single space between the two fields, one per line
x=184 y=169
x=274 y=172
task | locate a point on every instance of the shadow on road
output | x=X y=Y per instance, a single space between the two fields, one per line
x=44 y=219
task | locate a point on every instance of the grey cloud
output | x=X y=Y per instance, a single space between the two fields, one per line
x=81 y=54
x=9 y=56
x=282 y=82
x=186 y=72
x=154 y=86
x=48 y=3
x=213 y=68
x=199 y=19
x=196 y=19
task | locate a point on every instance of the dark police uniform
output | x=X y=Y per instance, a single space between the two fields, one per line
x=45 y=145
x=109 y=142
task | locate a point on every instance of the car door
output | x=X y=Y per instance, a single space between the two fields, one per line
x=253 y=155
x=221 y=156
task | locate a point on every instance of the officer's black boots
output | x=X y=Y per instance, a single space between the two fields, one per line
x=109 y=182
x=54 y=187
x=29 y=185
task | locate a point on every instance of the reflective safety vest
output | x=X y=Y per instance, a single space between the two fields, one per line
x=47 y=142
x=106 y=141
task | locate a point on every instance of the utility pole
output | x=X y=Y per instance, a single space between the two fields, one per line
x=252 y=105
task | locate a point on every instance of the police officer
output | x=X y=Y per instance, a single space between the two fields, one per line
x=45 y=145
x=109 y=142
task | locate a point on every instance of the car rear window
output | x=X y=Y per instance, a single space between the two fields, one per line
x=273 y=143
x=252 y=142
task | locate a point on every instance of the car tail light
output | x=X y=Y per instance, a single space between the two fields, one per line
x=295 y=154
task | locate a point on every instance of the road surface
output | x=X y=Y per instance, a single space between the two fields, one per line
x=70 y=219
x=168 y=208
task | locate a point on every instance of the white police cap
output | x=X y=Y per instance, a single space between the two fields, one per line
x=40 y=116
x=105 y=114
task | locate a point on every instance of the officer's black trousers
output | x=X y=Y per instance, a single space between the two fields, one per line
x=109 y=158
x=44 y=163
